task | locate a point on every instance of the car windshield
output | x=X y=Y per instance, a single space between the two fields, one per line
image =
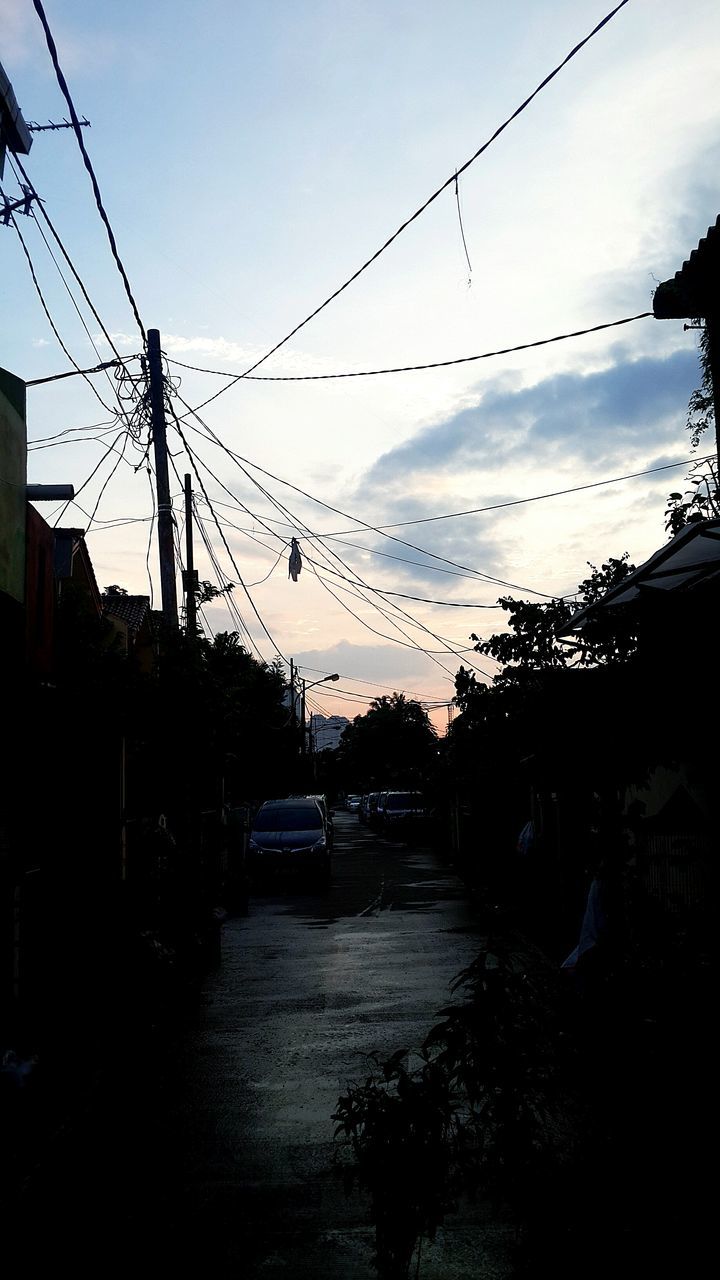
x=403 y=800
x=289 y=818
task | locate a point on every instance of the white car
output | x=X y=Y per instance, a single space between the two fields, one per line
x=352 y=803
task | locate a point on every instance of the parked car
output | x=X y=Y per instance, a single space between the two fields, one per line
x=325 y=811
x=290 y=837
x=403 y=812
x=321 y=800
x=352 y=803
x=379 y=815
x=372 y=808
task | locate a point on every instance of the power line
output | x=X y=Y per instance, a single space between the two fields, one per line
x=121 y=458
x=406 y=644
x=414 y=622
x=87 y=162
x=72 y=373
x=91 y=426
x=447 y=604
x=50 y=320
x=470 y=576
x=191 y=457
x=448 y=182
x=71 y=501
x=235 y=614
x=478 y=574
x=56 y=444
x=411 y=368
x=66 y=255
x=418 y=697
x=519 y=502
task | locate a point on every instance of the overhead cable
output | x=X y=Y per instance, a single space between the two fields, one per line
x=87 y=162
x=519 y=502
x=478 y=574
x=191 y=457
x=45 y=215
x=50 y=320
x=313 y=538
x=448 y=182
x=410 y=368
x=73 y=373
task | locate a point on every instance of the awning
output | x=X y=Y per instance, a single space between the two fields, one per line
x=691 y=559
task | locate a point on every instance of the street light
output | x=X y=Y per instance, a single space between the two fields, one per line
x=305 y=687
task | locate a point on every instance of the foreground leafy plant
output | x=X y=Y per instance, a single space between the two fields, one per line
x=471 y=1112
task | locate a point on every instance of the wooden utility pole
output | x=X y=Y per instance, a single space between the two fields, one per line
x=190 y=576
x=166 y=546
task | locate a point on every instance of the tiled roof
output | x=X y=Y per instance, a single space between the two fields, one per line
x=694 y=290
x=132 y=610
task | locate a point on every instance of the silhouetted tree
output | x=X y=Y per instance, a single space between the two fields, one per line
x=393 y=743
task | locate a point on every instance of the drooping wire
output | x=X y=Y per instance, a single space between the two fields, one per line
x=462 y=229
x=443 y=186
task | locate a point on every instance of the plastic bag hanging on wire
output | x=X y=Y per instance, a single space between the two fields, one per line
x=295 y=561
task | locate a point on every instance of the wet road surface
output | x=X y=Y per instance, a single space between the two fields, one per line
x=215 y=1147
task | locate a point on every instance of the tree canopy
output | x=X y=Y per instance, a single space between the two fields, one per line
x=393 y=743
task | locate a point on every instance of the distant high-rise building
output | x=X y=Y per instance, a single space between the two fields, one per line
x=326 y=731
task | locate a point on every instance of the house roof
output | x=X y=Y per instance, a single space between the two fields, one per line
x=694 y=290
x=689 y=560
x=71 y=553
x=132 y=610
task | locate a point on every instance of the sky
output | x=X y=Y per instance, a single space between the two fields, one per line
x=251 y=157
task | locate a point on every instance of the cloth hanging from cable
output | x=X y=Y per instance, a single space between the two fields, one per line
x=295 y=561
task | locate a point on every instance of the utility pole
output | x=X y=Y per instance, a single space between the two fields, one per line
x=190 y=574
x=302 y=720
x=292 y=698
x=166 y=547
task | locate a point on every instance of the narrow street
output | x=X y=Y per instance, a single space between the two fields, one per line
x=217 y=1147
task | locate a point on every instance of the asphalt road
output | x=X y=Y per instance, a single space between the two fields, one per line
x=214 y=1146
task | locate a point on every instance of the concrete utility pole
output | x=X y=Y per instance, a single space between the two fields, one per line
x=190 y=575
x=166 y=547
x=292 y=697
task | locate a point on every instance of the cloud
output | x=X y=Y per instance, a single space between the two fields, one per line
x=383 y=662
x=16 y=22
x=595 y=416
